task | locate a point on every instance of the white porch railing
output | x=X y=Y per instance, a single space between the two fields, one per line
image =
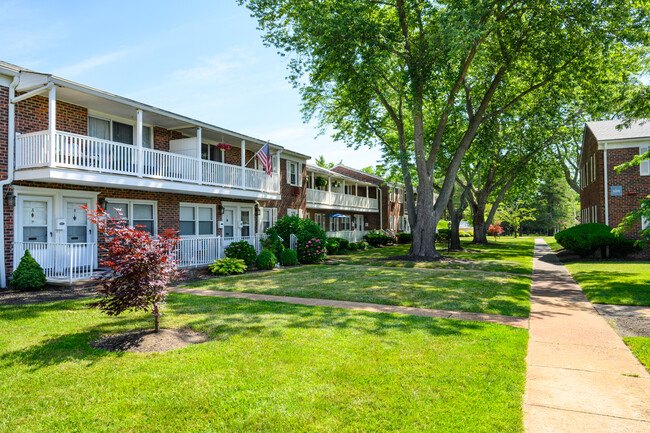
x=80 y=152
x=353 y=202
x=192 y=252
x=350 y=235
x=60 y=261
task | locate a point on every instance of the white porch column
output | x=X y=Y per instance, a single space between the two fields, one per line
x=343 y=186
x=329 y=184
x=356 y=188
x=138 y=141
x=367 y=191
x=277 y=160
x=243 y=163
x=51 y=127
x=199 y=145
x=313 y=180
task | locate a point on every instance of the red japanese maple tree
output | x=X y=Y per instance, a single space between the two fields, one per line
x=495 y=230
x=140 y=266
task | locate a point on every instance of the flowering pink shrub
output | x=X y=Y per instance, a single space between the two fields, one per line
x=495 y=230
x=311 y=251
x=242 y=250
x=141 y=266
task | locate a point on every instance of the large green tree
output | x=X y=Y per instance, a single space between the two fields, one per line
x=398 y=73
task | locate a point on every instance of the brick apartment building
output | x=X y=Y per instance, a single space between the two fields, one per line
x=605 y=195
x=64 y=145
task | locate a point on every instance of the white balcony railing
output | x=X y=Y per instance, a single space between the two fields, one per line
x=336 y=199
x=350 y=235
x=204 y=251
x=79 y=152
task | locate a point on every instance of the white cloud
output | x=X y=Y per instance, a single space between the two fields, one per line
x=90 y=63
x=218 y=67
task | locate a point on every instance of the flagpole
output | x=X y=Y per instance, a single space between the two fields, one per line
x=253 y=157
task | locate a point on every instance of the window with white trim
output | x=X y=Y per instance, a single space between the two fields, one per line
x=334 y=224
x=346 y=224
x=107 y=129
x=141 y=214
x=292 y=212
x=320 y=220
x=391 y=222
x=267 y=219
x=350 y=189
x=197 y=219
x=294 y=173
x=644 y=167
x=645 y=222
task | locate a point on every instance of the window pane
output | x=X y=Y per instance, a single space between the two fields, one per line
x=143 y=211
x=99 y=128
x=187 y=213
x=215 y=154
x=144 y=225
x=205 y=214
x=122 y=133
x=146 y=137
x=76 y=234
x=35 y=234
x=187 y=228
x=228 y=231
x=245 y=231
x=245 y=217
x=112 y=209
x=206 y=228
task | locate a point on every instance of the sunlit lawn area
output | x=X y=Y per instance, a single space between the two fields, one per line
x=550 y=240
x=505 y=255
x=624 y=283
x=461 y=290
x=640 y=346
x=270 y=367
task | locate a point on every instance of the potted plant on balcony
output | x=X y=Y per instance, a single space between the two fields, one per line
x=223 y=146
x=320 y=182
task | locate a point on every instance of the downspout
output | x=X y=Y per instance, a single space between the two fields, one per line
x=381 y=220
x=606 y=186
x=11 y=135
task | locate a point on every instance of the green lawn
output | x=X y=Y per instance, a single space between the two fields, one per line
x=270 y=367
x=461 y=290
x=505 y=255
x=641 y=348
x=622 y=283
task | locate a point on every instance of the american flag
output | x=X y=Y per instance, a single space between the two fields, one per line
x=264 y=155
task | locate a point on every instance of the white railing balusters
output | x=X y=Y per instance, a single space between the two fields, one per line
x=337 y=199
x=60 y=261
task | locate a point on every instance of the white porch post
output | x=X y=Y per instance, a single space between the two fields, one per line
x=356 y=188
x=52 y=124
x=367 y=191
x=329 y=184
x=343 y=186
x=277 y=157
x=199 y=145
x=138 y=141
x=313 y=180
x=243 y=163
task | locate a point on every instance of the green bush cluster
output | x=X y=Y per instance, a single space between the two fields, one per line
x=443 y=235
x=306 y=232
x=586 y=239
x=404 y=238
x=311 y=251
x=266 y=260
x=332 y=245
x=288 y=258
x=274 y=243
x=28 y=275
x=228 y=266
x=378 y=239
x=242 y=250
x=464 y=234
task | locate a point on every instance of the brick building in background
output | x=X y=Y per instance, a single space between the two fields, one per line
x=64 y=145
x=605 y=195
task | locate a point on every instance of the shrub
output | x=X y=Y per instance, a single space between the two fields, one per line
x=495 y=230
x=332 y=246
x=266 y=260
x=443 y=235
x=228 y=266
x=377 y=239
x=585 y=239
x=363 y=245
x=353 y=246
x=310 y=230
x=285 y=227
x=344 y=244
x=242 y=250
x=461 y=233
x=311 y=251
x=28 y=275
x=305 y=231
x=442 y=224
x=289 y=258
x=404 y=238
x=141 y=266
x=274 y=243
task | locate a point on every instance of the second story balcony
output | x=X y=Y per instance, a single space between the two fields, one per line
x=336 y=200
x=329 y=190
x=87 y=154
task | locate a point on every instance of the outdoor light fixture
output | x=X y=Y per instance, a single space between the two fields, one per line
x=11 y=200
x=102 y=203
x=220 y=208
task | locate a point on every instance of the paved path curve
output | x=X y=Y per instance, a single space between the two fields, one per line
x=519 y=322
x=581 y=376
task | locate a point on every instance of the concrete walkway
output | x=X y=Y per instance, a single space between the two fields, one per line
x=519 y=322
x=581 y=376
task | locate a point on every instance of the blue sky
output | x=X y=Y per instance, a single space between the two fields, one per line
x=203 y=59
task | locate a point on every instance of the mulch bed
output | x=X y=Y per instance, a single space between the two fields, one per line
x=15 y=297
x=148 y=340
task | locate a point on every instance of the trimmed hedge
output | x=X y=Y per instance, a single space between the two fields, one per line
x=28 y=275
x=288 y=258
x=377 y=239
x=404 y=238
x=332 y=245
x=443 y=235
x=586 y=239
x=266 y=260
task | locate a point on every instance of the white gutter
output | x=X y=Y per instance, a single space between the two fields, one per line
x=606 y=185
x=11 y=135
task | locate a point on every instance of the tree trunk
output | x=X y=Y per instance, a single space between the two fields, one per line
x=480 y=230
x=424 y=232
x=156 y=315
x=455 y=232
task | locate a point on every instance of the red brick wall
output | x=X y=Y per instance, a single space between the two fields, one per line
x=592 y=194
x=32 y=116
x=161 y=138
x=289 y=200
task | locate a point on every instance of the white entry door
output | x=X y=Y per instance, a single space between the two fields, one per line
x=358 y=223
x=35 y=229
x=238 y=221
x=78 y=232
